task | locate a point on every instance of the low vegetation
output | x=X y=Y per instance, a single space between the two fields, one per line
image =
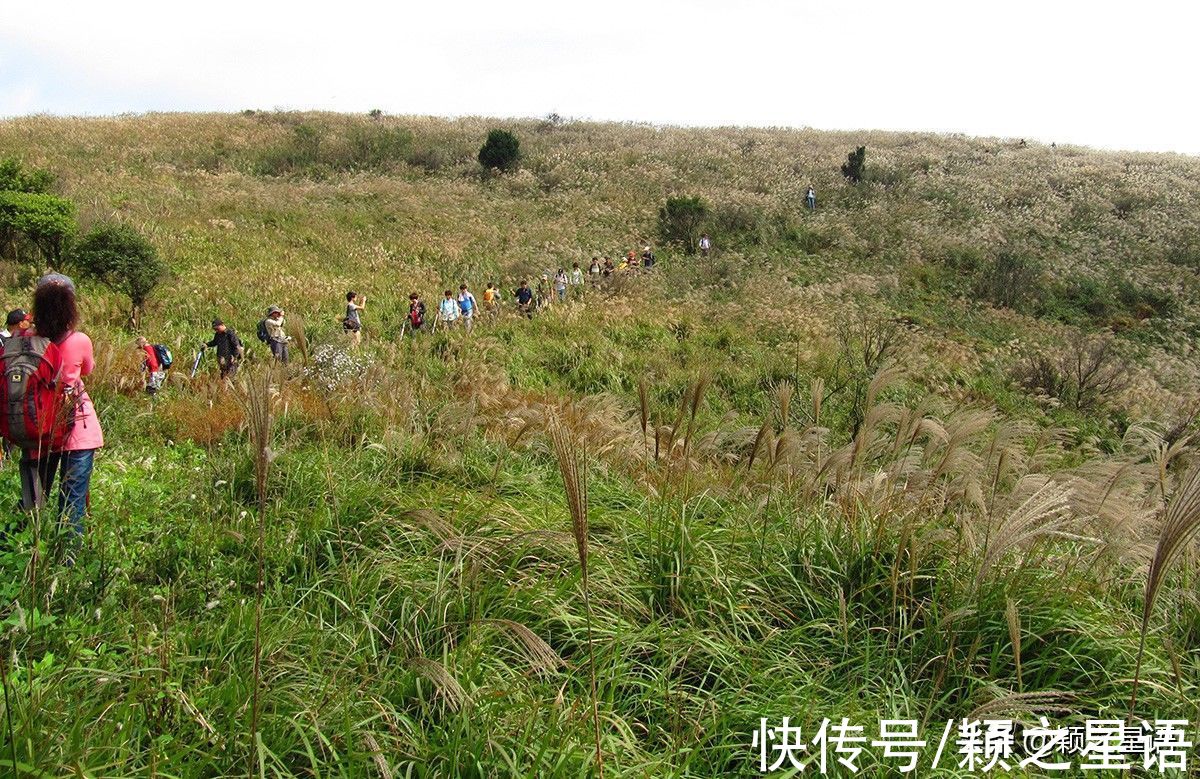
x=926 y=452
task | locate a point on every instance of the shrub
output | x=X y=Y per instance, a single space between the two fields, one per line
x=14 y=178
x=681 y=219
x=501 y=151
x=377 y=147
x=44 y=221
x=121 y=259
x=855 y=165
x=1012 y=279
x=1086 y=375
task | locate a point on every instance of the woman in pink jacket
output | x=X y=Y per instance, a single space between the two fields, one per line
x=56 y=317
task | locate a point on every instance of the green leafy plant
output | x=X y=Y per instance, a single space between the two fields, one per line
x=855 y=165
x=501 y=151
x=124 y=261
x=681 y=219
x=43 y=221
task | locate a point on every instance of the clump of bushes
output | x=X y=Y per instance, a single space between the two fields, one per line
x=681 y=220
x=312 y=151
x=30 y=217
x=501 y=151
x=1087 y=374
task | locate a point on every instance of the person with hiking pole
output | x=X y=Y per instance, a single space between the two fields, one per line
x=152 y=365
x=65 y=446
x=811 y=198
x=416 y=312
x=448 y=310
x=524 y=296
x=271 y=332
x=352 y=322
x=230 y=349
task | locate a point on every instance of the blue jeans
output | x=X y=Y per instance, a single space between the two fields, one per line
x=812 y=204
x=74 y=482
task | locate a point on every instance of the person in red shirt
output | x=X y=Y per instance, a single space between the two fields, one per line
x=154 y=371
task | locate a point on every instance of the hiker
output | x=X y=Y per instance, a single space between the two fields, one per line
x=448 y=310
x=152 y=365
x=416 y=311
x=524 y=298
x=647 y=258
x=811 y=197
x=631 y=260
x=608 y=267
x=705 y=245
x=466 y=304
x=56 y=317
x=560 y=285
x=542 y=296
x=230 y=349
x=491 y=300
x=16 y=324
x=270 y=332
x=352 y=322
x=577 y=277
x=594 y=270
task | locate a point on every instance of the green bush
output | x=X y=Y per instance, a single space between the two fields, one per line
x=121 y=259
x=14 y=178
x=855 y=165
x=377 y=147
x=44 y=221
x=681 y=219
x=1011 y=280
x=501 y=151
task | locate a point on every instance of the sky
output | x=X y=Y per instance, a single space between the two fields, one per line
x=1104 y=74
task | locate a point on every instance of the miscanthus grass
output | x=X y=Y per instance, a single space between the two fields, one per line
x=802 y=476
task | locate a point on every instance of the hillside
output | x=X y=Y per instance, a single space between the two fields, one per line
x=905 y=456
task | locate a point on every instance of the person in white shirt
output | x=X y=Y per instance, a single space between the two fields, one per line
x=577 y=278
x=448 y=310
x=705 y=244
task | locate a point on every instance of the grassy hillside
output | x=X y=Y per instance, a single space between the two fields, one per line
x=854 y=465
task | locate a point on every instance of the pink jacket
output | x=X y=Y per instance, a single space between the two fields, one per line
x=77 y=362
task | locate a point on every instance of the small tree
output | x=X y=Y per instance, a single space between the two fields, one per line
x=502 y=150
x=29 y=215
x=856 y=162
x=681 y=219
x=121 y=259
x=45 y=221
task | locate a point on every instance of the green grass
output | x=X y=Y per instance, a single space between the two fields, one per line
x=817 y=537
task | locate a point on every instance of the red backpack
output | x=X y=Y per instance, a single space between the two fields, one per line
x=36 y=413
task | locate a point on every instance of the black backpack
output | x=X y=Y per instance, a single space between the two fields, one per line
x=262 y=331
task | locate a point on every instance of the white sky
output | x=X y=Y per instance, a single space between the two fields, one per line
x=1101 y=73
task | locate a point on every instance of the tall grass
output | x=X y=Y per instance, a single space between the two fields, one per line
x=572 y=460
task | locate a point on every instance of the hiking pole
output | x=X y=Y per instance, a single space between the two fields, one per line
x=196 y=363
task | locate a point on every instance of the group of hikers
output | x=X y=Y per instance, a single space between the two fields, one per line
x=49 y=423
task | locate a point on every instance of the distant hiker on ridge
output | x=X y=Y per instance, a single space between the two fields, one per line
x=811 y=198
